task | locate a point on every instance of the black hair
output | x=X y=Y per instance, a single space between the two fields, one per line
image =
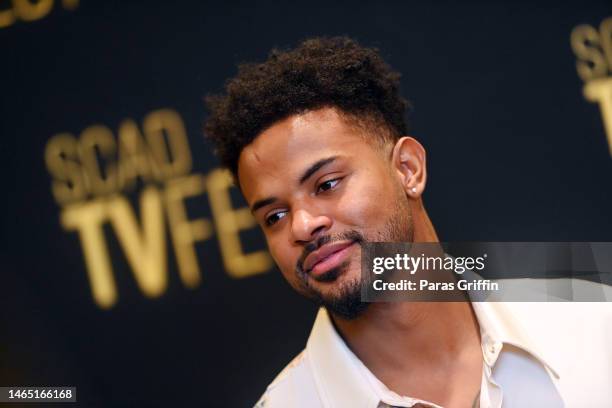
x=335 y=72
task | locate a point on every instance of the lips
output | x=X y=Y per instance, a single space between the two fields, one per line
x=327 y=256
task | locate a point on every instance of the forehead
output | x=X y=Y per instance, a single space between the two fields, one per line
x=283 y=151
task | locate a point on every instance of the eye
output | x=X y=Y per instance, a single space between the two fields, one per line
x=328 y=185
x=273 y=218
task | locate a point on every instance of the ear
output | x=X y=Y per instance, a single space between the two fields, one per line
x=408 y=160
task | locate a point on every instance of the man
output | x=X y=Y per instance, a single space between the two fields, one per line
x=316 y=140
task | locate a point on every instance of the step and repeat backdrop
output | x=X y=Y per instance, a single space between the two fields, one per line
x=131 y=268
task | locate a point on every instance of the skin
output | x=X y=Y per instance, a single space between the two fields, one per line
x=427 y=350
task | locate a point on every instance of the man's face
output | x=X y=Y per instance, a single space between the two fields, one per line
x=318 y=189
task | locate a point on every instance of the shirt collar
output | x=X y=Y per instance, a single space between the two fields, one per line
x=498 y=326
x=337 y=380
x=341 y=383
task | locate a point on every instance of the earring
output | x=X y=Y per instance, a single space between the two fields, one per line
x=413 y=189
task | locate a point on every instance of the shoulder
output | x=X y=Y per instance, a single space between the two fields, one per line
x=564 y=325
x=574 y=338
x=294 y=386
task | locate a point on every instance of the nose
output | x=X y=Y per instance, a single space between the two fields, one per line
x=305 y=226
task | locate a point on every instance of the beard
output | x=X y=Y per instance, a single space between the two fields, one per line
x=345 y=300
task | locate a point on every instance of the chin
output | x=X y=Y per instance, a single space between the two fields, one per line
x=344 y=300
x=342 y=284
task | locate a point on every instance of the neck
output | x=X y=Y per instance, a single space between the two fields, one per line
x=424 y=230
x=406 y=343
x=426 y=350
x=405 y=334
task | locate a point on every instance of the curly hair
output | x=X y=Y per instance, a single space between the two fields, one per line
x=320 y=72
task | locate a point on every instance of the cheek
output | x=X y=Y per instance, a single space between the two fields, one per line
x=366 y=201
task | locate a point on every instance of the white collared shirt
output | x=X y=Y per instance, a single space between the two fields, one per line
x=534 y=354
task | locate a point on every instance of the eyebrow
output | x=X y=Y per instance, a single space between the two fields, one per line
x=262 y=203
x=305 y=176
x=315 y=167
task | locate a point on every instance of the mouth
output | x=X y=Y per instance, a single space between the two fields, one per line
x=328 y=257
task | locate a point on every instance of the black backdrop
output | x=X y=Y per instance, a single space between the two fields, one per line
x=515 y=152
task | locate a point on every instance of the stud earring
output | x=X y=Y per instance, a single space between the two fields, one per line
x=413 y=189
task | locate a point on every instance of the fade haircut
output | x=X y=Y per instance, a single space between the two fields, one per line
x=320 y=72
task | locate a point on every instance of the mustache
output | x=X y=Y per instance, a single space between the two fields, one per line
x=309 y=248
